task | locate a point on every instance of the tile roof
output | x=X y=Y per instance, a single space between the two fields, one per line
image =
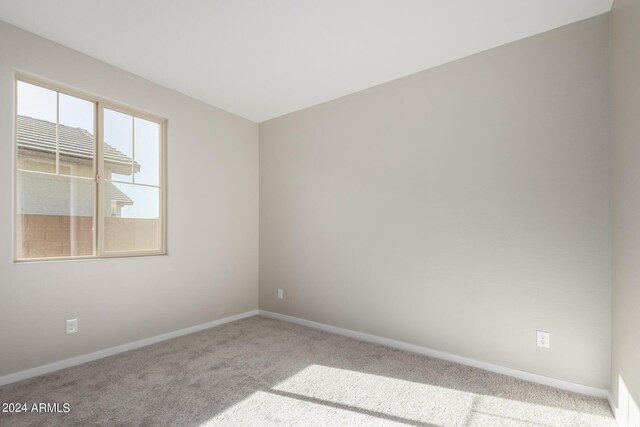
x=118 y=196
x=40 y=135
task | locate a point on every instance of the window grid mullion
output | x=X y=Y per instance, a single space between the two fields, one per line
x=96 y=193
x=133 y=149
x=57 y=133
x=99 y=217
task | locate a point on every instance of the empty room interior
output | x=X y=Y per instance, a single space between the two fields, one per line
x=265 y=213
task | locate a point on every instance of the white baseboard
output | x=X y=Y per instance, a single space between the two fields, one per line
x=528 y=376
x=613 y=408
x=78 y=360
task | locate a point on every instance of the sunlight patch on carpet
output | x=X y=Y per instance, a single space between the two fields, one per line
x=323 y=395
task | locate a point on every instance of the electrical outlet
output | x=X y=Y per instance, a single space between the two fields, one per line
x=280 y=294
x=72 y=326
x=543 y=339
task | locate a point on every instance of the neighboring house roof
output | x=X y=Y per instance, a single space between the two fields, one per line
x=119 y=197
x=40 y=136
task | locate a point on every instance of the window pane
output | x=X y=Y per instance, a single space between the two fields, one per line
x=54 y=215
x=36 y=102
x=146 y=156
x=36 y=128
x=132 y=217
x=76 y=139
x=118 y=146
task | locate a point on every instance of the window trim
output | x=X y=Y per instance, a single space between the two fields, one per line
x=98 y=170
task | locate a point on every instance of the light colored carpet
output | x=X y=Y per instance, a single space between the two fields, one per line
x=261 y=371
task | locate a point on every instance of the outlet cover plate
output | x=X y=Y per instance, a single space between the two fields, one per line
x=543 y=339
x=72 y=326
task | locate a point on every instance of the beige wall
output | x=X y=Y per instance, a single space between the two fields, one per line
x=54 y=235
x=461 y=208
x=125 y=234
x=625 y=120
x=212 y=267
x=63 y=235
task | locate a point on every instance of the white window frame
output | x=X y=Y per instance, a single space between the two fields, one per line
x=98 y=172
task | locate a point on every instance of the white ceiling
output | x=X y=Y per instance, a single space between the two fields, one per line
x=264 y=58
